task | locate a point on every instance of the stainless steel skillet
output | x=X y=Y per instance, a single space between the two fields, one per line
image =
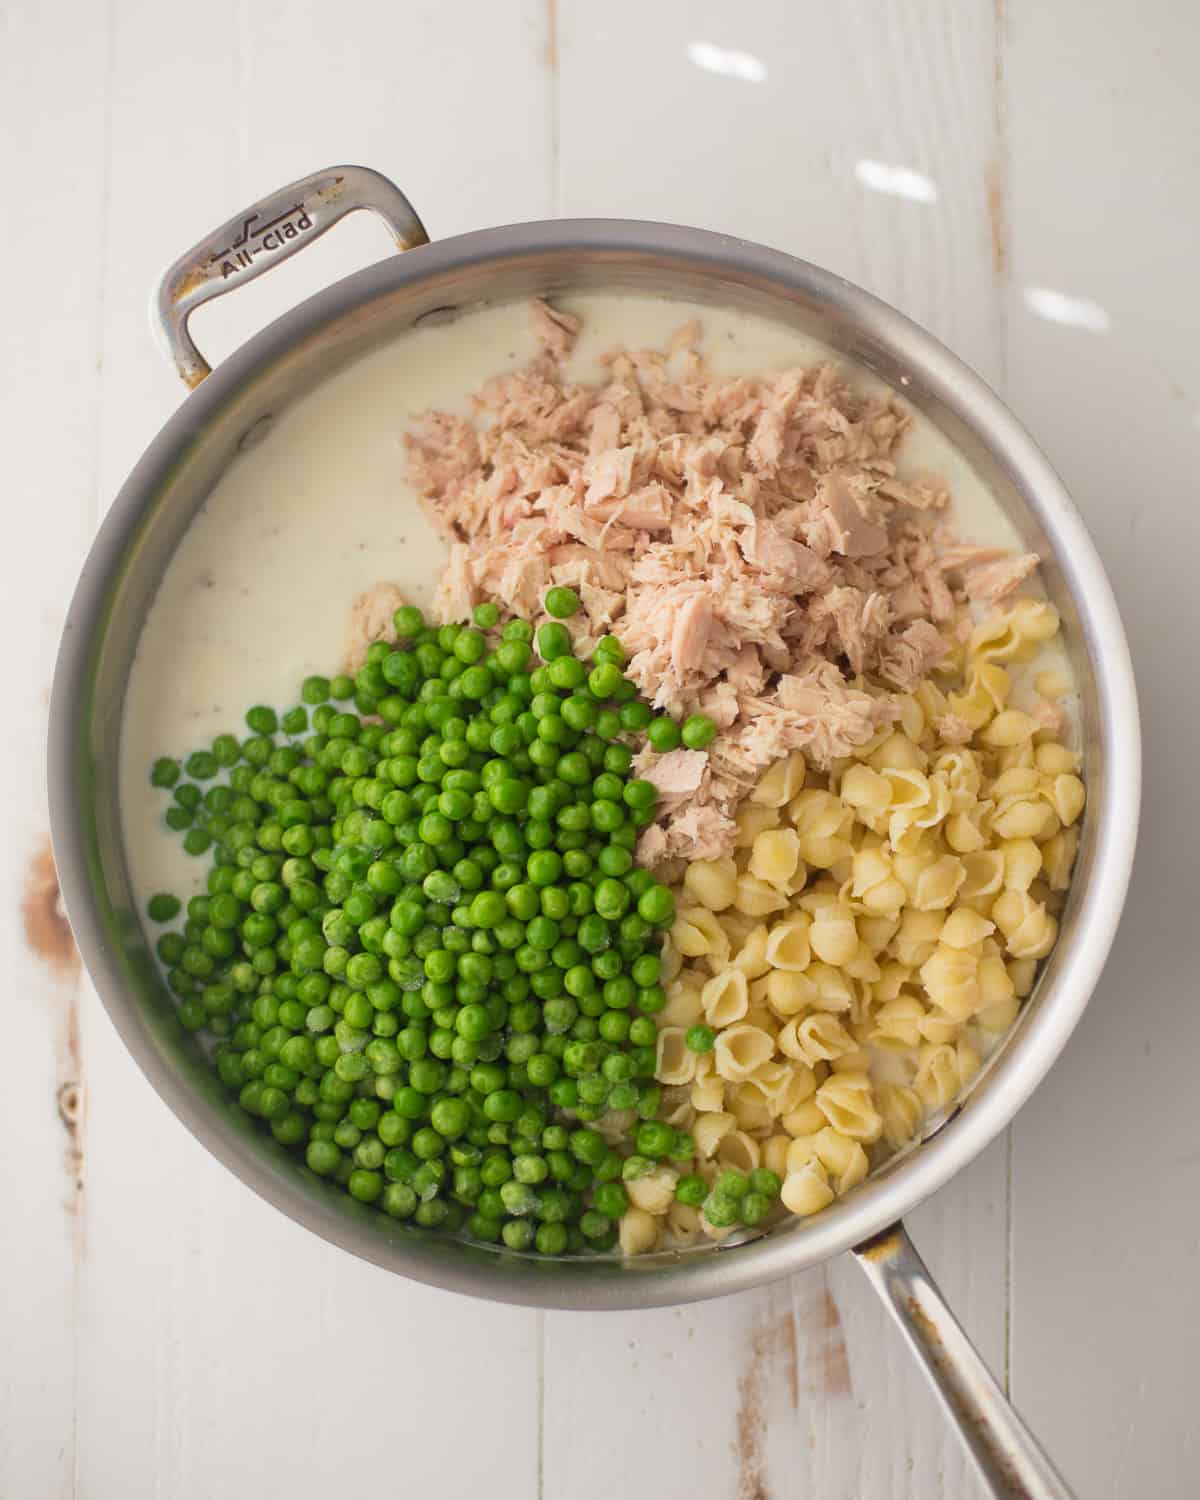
x=230 y=406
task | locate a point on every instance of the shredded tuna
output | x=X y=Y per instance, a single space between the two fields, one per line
x=456 y=594
x=371 y=620
x=701 y=831
x=908 y=657
x=677 y=774
x=988 y=573
x=1050 y=716
x=953 y=729
x=556 y=329
x=747 y=538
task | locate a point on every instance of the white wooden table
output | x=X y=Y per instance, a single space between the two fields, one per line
x=1021 y=177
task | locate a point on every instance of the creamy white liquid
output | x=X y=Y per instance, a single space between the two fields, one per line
x=258 y=594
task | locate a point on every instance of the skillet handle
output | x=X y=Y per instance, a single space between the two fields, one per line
x=267 y=232
x=1006 y=1453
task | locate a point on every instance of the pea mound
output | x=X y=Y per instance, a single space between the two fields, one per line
x=427 y=959
x=424 y=936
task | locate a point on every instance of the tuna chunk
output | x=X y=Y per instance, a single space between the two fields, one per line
x=748 y=539
x=855 y=527
x=677 y=774
x=689 y=636
x=905 y=658
x=371 y=620
x=557 y=330
x=988 y=573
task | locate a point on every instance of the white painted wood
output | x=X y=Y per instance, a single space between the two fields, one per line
x=223 y=1350
x=226 y=1351
x=798 y=1388
x=51 y=259
x=1105 y=188
x=649 y=133
x=220 y=1349
x=710 y=1399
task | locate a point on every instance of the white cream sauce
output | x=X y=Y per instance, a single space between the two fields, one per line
x=258 y=593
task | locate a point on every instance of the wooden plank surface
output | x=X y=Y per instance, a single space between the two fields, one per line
x=50 y=348
x=988 y=168
x=222 y=1349
x=1106 y=1230
x=770 y=1393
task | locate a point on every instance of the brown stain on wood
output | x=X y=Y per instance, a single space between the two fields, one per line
x=49 y=937
x=550 y=54
x=997 y=208
x=791 y=1356
x=774 y=1366
x=833 y=1359
x=822 y=1361
x=995 y=178
x=751 y=1431
x=45 y=922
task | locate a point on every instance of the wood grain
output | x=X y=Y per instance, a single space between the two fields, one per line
x=49 y=350
x=775 y=161
x=223 y=1349
x=166 y=1333
x=1106 y=1232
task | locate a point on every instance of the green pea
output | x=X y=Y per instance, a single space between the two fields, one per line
x=562 y=603
x=553 y=641
x=698 y=731
x=691 y=1189
x=664 y=734
x=163 y=907
x=700 y=1038
x=164 y=772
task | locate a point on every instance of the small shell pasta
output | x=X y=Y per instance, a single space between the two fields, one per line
x=819 y=1038
x=844 y=1160
x=901 y=1110
x=775 y=856
x=739 y=1150
x=654 y=1191
x=774 y=1154
x=698 y=934
x=1029 y=931
x=951 y=979
x=1058 y=858
x=751 y=958
x=684 y=1005
x=789 y=992
x=710 y=1129
x=865 y=790
x=777 y=786
x=807 y=1191
x=675 y=1060
x=878 y=924
x=751 y=821
x=725 y=999
x=833 y=936
x=711 y=883
x=1066 y=796
x=637 y=1232
x=787 y=945
x=937 y=1080
x=683 y=1223
x=805 y=1120
x=739 y=1050
x=897 y=1024
x=847 y=1101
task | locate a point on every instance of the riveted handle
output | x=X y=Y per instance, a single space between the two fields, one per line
x=267 y=232
x=1010 y=1462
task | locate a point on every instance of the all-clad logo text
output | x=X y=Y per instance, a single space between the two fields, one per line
x=264 y=238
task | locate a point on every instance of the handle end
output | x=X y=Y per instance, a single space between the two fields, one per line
x=271 y=230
